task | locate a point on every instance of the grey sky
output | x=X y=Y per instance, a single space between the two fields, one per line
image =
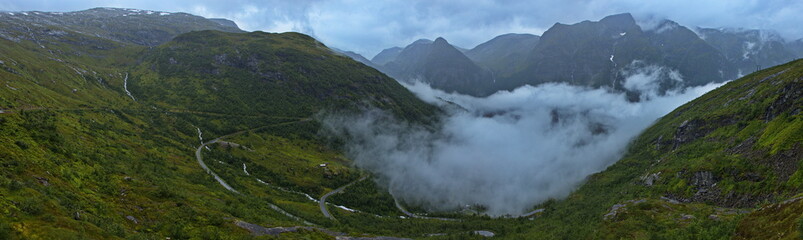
x=367 y=26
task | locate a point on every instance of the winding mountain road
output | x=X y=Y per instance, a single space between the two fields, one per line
x=223 y=183
x=200 y=159
x=322 y=202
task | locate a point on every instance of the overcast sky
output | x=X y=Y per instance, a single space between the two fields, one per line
x=369 y=26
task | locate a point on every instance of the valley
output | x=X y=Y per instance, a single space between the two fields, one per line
x=122 y=123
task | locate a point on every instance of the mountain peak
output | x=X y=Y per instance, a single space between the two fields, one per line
x=516 y=35
x=439 y=64
x=422 y=41
x=440 y=41
x=622 y=19
x=224 y=22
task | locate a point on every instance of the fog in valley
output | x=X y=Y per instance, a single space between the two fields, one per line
x=511 y=150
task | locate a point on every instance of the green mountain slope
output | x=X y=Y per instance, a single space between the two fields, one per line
x=357 y=57
x=140 y=27
x=66 y=70
x=98 y=137
x=287 y=74
x=727 y=164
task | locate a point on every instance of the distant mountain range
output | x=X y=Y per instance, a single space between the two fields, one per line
x=750 y=49
x=140 y=27
x=598 y=54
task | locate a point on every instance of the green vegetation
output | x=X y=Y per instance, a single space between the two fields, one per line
x=718 y=159
x=81 y=159
x=286 y=74
x=366 y=196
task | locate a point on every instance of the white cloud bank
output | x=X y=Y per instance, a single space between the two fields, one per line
x=507 y=152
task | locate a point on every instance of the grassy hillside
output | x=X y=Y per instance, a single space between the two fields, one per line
x=83 y=159
x=286 y=74
x=66 y=70
x=727 y=164
x=98 y=140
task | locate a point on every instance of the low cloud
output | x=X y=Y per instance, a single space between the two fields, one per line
x=507 y=152
x=649 y=80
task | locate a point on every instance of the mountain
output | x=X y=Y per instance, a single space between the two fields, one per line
x=289 y=74
x=725 y=165
x=225 y=22
x=441 y=65
x=603 y=54
x=796 y=47
x=386 y=56
x=216 y=135
x=141 y=27
x=461 y=49
x=749 y=49
x=505 y=53
x=597 y=54
x=683 y=50
x=356 y=56
x=101 y=138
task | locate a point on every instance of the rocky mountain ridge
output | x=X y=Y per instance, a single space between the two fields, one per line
x=603 y=54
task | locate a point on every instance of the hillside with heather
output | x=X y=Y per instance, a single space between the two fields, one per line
x=120 y=123
x=727 y=164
